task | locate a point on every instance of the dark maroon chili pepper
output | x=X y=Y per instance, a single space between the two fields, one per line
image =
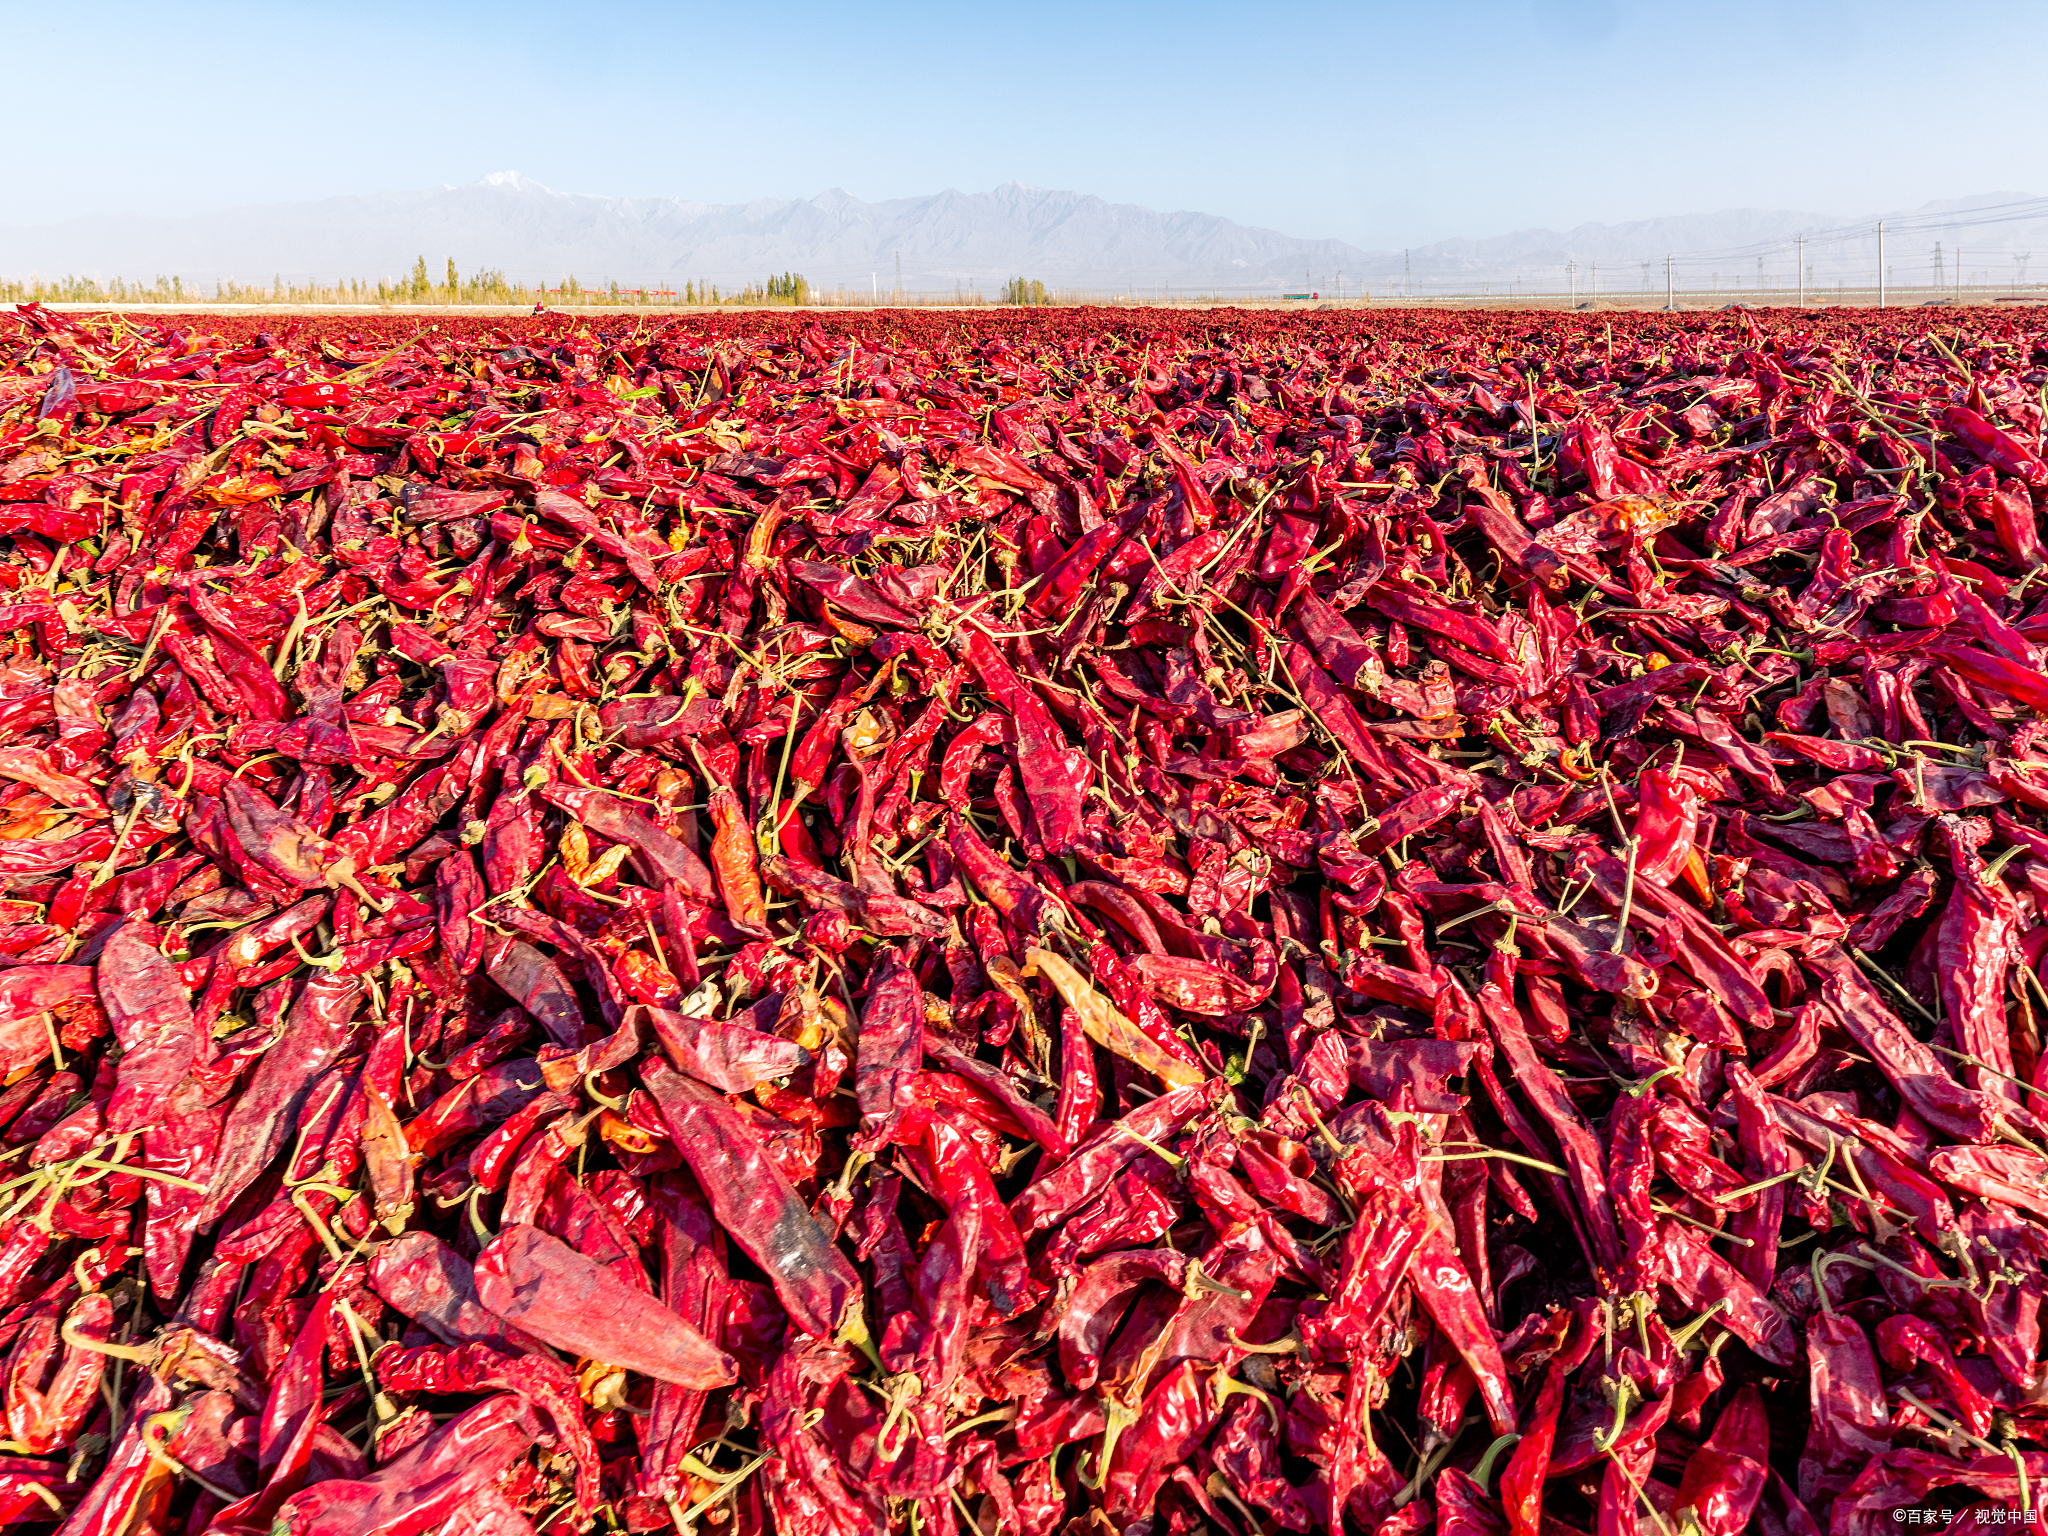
x=459 y=899
x=695 y=1286
x=1047 y=768
x=280 y=844
x=1914 y=1070
x=879 y=913
x=185 y=1143
x=666 y=857
x=537 y=984
x=1851 y=1419
x=1575 y=1138
x=1973 y=943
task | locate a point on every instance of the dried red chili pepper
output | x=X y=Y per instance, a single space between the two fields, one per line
x=755 y=1204
x=541 y=1285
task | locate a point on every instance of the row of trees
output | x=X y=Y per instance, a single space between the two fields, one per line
x=420 y=287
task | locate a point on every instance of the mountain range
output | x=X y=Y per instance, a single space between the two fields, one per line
x=977 y=240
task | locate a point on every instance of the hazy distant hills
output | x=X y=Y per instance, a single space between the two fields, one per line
x=534 y=234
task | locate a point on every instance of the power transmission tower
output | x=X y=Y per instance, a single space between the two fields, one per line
x=1670 y=294
x=1880 y=263
x=1572 y=271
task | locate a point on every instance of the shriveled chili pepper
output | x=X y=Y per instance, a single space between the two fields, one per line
x=755 y=1204
x=152 y=1017
x=539 y=1284
x=316 y=1033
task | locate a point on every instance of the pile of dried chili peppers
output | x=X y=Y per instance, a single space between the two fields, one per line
x=1028 y=924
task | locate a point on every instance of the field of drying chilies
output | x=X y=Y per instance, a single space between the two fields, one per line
x=1094 y=921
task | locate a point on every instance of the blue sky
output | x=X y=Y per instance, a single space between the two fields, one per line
x=1380 y=124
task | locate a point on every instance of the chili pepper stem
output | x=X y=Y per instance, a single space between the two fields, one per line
x=1426 y=1466
x=1482 y=1471
x=1682 y=1337
x=1172 y=1160
x=153 y=1438
x=140 y=1353
x=724 y=1486
x=1119 y=1416
x=380 y=1404
x=1222 y=1385
x=1217 y=1488
x=854 y=1330
x=2010 y=1445
x=1504 y=1155
x=1003 y=1415
x=1946 y=1424
x=899 y=1392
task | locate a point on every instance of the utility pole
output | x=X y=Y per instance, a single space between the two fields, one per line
x=1571 y=270
x=1802 y=271
x=1880 y=263
x=1670 y=293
